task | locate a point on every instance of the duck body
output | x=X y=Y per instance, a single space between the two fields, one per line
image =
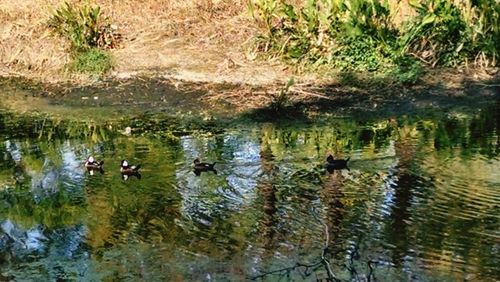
x=92 y=165
x=129 y=170
x=336 y=164
x=200 y=167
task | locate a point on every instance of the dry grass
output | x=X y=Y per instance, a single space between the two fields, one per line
x=198 y=40
x=26 y=45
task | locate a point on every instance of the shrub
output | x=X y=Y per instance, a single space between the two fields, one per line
x=349 y=34
x=84 y=27
x=438 y=34
x=88 y=33
x=359 y=34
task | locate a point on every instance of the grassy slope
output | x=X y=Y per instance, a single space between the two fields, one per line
x=197 y=40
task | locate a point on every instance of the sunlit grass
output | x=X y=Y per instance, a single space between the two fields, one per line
x=93 y=61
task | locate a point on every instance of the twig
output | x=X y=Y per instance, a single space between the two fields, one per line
x=351 y=266
x=324 y=261
x=288 y=270
x=296 y=90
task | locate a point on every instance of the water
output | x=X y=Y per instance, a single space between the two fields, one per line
x=420 y=200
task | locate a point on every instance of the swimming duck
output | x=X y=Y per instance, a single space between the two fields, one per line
x=200 y=167
x=129 y=170
x=92 y=165
x=333 y=164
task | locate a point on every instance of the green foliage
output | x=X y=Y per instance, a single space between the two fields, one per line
x=86 y=30
x=406 y=71
x=485 y=25
x=328 y=31
x=438 y=34
x=92 y=61
x=359 y=34
x=281 y=100
x=83 y=26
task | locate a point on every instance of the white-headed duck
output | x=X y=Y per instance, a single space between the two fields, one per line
x=92 y=165
x=129 y=170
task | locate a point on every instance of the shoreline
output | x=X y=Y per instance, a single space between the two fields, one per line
x=170 y=93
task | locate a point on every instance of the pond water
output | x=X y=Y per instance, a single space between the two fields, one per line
x=420 y=200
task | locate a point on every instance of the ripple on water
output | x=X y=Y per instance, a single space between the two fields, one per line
x=406 y=205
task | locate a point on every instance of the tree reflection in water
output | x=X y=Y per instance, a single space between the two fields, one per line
x=419 y=200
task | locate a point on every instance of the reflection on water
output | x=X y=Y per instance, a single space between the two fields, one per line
x=420 y=200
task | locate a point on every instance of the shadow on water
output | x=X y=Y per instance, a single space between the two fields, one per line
x=419 y=199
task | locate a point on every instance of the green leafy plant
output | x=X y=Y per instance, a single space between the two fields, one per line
x=360 y=35
x=83 y=26
x=407 y=70
x=281 y=100
x=350 y=34
x=483 y=20
x=88 y=33
x=438 y=34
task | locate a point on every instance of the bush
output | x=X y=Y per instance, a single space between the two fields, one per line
x=88 y=33
x=348 y=34
x=359 y=34
x=84 y=27
x=438 y=34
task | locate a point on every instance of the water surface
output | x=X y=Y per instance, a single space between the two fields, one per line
x=420 y=200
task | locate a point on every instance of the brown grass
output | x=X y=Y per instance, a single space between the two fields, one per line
x=198 y=40
x=26 y=45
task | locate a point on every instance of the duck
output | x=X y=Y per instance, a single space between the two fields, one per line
x=333 y=164
x=92 y=165
x=129 y=170
x=200 y=167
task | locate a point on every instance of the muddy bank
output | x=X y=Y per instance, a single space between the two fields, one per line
x=353 y=96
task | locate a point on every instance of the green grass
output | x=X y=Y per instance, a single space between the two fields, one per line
x=92 y=61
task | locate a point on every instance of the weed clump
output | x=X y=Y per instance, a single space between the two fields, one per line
x=89 y=34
